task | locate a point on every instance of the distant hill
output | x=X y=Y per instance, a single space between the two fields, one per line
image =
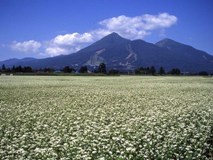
x=120 y=53
x=187 y=57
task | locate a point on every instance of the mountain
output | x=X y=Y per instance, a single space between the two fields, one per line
x=13 y=61
x=187 y=57
x=120 y=53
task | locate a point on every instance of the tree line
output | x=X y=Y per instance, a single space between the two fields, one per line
x=100 y=69
x=67 y=69
x=152 y=71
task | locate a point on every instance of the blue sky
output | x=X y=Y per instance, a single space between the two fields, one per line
x=43 y=28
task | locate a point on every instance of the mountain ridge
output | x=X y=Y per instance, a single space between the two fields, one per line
x=121 y=53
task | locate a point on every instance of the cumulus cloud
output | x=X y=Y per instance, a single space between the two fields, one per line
x=139 y=26
x=73 y=38
x=54 y=51
x=129 y=27
x=163 y=20
x=26 y=46
x=68 y=43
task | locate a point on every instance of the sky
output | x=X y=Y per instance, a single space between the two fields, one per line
x=47 y=28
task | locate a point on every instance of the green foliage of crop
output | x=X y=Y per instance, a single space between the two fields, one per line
x=122 y=117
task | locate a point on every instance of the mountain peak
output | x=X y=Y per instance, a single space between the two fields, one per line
x=167 y=42
x=113 y=35
x=167 y=39
x=110 y=40
x=113 y=38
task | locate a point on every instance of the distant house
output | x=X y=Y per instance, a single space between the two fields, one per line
x=57 y=71
x=89 y=71
x=185 y=73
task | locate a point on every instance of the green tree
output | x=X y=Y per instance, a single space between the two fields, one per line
x=48 y=70
x=27 y=69
x=83 y=69
x=3 y=68
x=175 y=71
x=19 y=69
x=137 y=71
x=152 y=70
x=102 y=68
x=13 y=69
x=67 y=69
x=161 y=71
x=113 y=71
x=203 y=73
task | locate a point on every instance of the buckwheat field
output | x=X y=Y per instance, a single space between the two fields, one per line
x=124 y=117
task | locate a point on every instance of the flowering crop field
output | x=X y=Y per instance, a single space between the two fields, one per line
x=124 y=117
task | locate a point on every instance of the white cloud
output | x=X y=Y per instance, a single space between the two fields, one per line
x=163 y=20
x=139 y=26
x=129 y=27
x=26 y=46
x=100 y=33
x=55 y=51
x=68 y=43
x=73 y=38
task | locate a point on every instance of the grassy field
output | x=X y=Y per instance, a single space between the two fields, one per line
x=126 y=117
